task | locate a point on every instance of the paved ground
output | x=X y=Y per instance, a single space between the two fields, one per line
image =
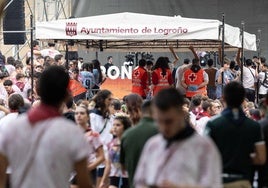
x=119 y=87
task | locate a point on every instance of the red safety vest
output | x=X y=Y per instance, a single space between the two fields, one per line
x=194 y=79
x=162 y=80
x=139 y=81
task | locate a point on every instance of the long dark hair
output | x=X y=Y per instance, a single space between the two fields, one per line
x=96 y=65
x=134 y=102
x=162 y=62
x=99 y=99
x=87 y=67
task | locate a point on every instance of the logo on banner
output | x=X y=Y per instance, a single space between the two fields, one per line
x=71 y=28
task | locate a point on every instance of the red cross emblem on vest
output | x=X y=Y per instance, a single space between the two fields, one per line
x=163 y=75
x=137 y=74
x=192 y=77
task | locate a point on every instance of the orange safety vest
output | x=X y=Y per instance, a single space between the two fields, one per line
x=137 y=85
x=194 y=79
x=76 y=87
x=162 y=80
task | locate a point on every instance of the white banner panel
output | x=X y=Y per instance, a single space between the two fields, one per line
x=133 y=26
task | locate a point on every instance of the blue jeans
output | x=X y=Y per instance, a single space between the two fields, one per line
x=211 y=91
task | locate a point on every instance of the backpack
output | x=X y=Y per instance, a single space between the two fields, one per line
x=265 y=80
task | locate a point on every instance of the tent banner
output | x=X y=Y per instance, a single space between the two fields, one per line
x=133 y=26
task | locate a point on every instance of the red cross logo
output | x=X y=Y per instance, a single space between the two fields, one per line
x=192 y=77
x=137 y=74
x=163 y=75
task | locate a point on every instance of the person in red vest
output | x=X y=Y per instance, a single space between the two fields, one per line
x=140 y=79
x=195 y=80
x=161 y=76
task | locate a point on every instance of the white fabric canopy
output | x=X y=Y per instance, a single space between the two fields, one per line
x=142 y=27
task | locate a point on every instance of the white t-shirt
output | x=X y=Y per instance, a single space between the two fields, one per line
x=61 y=145
x=49 y=52
x=192 y=161
x=7 y=119
x=97 y=124
x=3 y=93
x=201 y=124
x=10 y=68
x=178 y=76
x=94 y=142
x=248 y=77
x=4 y=123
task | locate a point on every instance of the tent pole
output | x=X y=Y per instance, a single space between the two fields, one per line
x=259 y=43
x=222 y=48
x=96 y=54
x=32 y=59
x=258 y=66
x=242 y=50
x=67 y=56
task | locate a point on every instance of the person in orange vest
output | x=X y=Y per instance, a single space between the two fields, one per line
x=140 y=79
x=76 y=88
x=161 y=76
x=195 y=80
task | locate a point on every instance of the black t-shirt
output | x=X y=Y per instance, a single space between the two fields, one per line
x=107 y=65
x=236 y=141
x=263 y=170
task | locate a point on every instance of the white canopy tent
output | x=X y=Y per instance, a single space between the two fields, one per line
x=138 y=31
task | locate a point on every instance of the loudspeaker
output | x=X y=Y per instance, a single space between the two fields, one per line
x=14 y=20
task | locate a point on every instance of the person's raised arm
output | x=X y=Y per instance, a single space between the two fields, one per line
x=219 y=75
x=193 y=51
x=2 y=6
x=238 y=57
x=176 y=57
x=220 y=54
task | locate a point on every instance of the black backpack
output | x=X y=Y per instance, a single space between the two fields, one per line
x=265 y=80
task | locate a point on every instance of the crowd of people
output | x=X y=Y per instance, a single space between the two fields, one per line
x=181 y=127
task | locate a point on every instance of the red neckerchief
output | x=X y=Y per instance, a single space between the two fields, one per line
x=42 y=112
x=88 y=129
x=13 y=111
x=202 y=114
x=206 y=114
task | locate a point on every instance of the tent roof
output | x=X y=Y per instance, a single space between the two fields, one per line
x=136 y=31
